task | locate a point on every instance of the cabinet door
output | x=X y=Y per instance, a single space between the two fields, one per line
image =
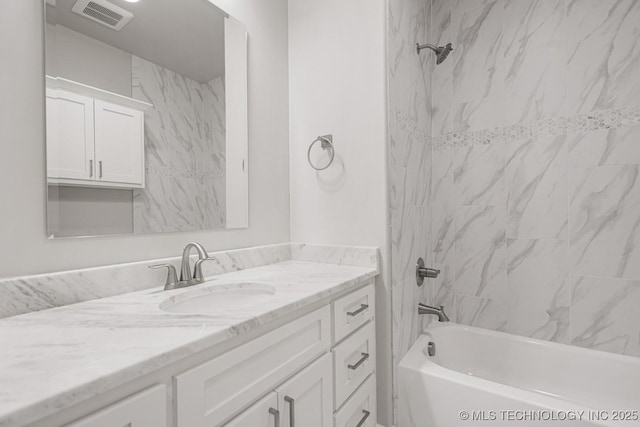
x=70 y=135
x=210 y=394
x=306 y=399
x=119 y=144
x=145 y=409
x=262 y=414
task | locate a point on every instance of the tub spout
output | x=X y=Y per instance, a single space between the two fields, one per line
x=427 y=309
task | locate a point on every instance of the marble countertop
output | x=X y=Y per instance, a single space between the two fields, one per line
x=53 y=359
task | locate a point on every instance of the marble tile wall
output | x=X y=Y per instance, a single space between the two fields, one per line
x=536 y=160
x=184 y=150
x=409 y=156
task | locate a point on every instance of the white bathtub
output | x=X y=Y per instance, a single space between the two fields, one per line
x=503 y=379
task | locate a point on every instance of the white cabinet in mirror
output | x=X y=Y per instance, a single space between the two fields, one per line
x=146 y=118
x=94 y=138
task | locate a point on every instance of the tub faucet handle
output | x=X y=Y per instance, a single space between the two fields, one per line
x=422 y=272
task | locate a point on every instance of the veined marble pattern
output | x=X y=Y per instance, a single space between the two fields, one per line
x=444 y=207
x=534 y=56
x=605 y=221
x=478 y=114
x=479 y=175
x=537 y=187
x=44 y=291
x=605 y=315
x=535 y=84
x=536 y=127
x=618 y=146
x=532 y=23
x=485 y=313
x=603 y=54
x=410 y=161
x=443 y=290
x=441 y=75
x=539 y=288
x=411 y=231
x=520 y=61
x=184 y=150
x=96 y=346
x=480 y=252
x=407 y=324
x=478 y=71
x=478 y=99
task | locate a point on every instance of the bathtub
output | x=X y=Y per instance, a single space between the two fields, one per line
x=479 y=377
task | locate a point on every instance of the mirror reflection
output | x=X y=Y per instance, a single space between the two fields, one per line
x=146 y=117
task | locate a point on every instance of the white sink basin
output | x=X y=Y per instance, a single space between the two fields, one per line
x=217 y=298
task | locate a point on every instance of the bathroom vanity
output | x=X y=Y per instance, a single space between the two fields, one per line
x=280 y=345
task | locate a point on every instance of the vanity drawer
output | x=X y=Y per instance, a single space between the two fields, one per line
x=145 y=409
x=353 y=311
x=353 y=361
x=211 y=393
x=360 y=409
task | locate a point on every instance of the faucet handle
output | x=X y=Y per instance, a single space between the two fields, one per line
x=197 y=270
x=172 y=276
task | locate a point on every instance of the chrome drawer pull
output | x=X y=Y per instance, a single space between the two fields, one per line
x=362 y=421
x=362 y=308
x=364 y=358
x=90 y=168
x=292 y=410
x=276 y=416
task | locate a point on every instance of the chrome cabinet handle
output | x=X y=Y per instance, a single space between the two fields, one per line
x=292 y=410
x=364 y=419
x=100 y=166
x=364 y=358
x=362 y=308
x=276 y=416
x=90 y=168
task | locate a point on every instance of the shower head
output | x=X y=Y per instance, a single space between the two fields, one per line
x=441 y=52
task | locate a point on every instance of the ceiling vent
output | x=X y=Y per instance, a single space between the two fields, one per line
x=103 y=12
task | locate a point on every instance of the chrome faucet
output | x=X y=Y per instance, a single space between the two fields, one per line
x=185 y=269
x=186 y=278
x=427 y=309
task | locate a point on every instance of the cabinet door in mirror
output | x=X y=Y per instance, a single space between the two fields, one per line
x=146 y=117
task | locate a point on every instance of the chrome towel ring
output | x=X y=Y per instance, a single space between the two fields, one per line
x=326 y=142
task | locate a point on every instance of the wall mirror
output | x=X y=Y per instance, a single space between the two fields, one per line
x=146 y=115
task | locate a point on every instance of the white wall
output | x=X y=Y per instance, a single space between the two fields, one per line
x=80 y=58
x=337 y=86
x=24 y=248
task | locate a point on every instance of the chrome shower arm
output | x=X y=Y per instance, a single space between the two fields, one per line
x=419 y=47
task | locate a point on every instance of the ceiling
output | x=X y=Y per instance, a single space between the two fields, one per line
x=185 y=36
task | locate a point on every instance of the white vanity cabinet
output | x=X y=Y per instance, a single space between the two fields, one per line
x=316 y=370
x=261 y=414
x=307 y=398
x=213 y=392
x=94 y=138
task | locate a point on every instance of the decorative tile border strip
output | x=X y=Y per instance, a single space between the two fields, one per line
x=604 y=119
